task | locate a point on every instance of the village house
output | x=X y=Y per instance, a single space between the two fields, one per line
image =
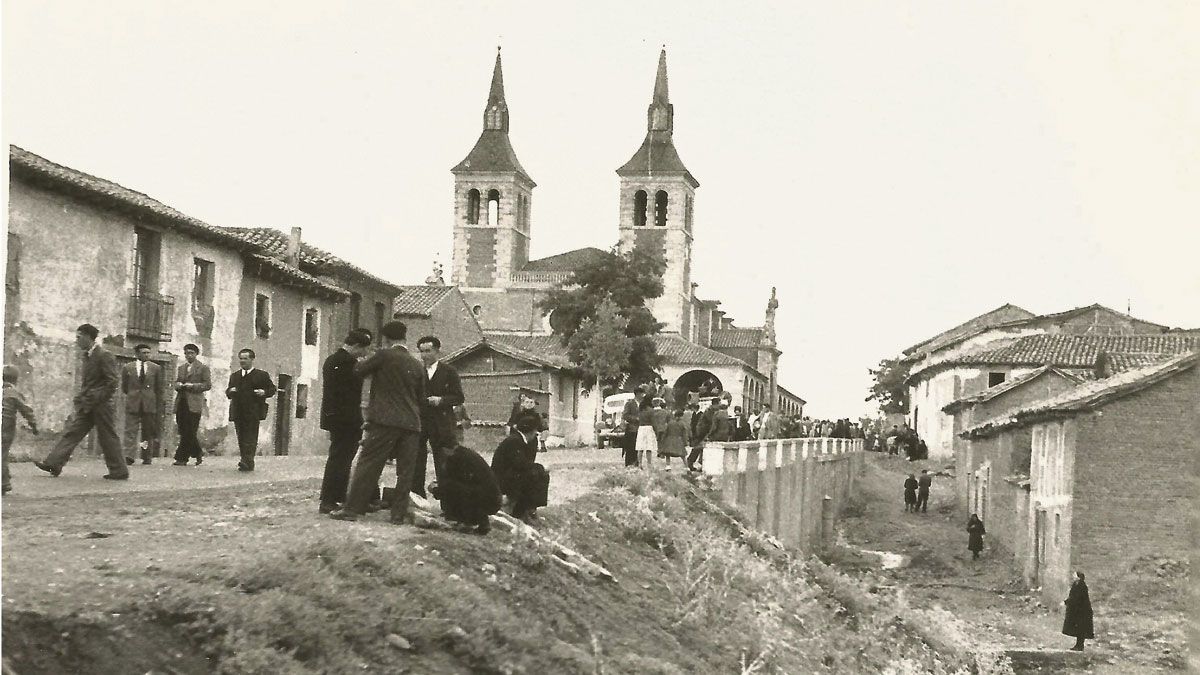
x=83 y=249
x=436 y=309
x=972 y=357
x=1110 y=474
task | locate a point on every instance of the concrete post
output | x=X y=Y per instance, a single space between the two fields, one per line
x=729 y=473
x=827 y=523
x=753 y=476
x=767 y=493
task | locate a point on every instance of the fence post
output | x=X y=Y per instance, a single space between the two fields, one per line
x=827 y=523
x=767 y=493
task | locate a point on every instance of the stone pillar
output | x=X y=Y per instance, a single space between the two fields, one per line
x=787 y=492
x=768 y=492
x=753 y=484
x=827 y=534
x=729 y=470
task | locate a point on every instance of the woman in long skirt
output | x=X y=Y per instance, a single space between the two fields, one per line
x=975 y=534
x=675 y=439
x=1077 y=619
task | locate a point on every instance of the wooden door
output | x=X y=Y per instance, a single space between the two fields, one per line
x=283 y=414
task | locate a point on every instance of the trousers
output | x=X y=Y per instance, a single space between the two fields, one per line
x=343 y=444
x=103 y=419
x=188 y=423
x=141 y=426
x=379 y=443
x=247 y=437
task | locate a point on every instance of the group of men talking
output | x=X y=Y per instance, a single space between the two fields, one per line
x=409 y=414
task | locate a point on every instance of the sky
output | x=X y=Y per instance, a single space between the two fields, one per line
x=893 y=168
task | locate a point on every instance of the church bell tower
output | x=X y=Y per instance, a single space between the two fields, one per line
x=657 y=199
x=493 y=198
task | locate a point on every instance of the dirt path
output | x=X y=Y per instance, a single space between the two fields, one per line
x=77 y=543
x=933 y=568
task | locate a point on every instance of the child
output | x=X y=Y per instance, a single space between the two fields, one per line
x=13 y=403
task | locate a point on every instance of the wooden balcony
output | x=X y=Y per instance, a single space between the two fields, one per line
x=150 y=316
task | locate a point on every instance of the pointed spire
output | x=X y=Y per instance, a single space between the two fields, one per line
x=495 y=116
x=660 y=116
x=660 y=80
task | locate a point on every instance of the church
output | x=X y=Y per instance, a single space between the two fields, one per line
x=493 y=197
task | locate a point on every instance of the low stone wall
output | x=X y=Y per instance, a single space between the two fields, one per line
x=787 y=487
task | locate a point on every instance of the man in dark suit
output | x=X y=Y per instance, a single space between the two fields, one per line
x=393 y=425
x=192 y=379
x=248 y=391
x=341 y=415
x=741 y=426
x=443 y=391
x=93 y=407
x=467 y=489
x=140 y=382
x=525 y=482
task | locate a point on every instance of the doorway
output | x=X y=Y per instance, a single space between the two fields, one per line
x=283 y=414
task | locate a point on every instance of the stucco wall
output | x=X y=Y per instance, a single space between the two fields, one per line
x=75 y=266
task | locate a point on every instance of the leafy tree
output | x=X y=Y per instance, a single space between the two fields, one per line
x=600 y=345
x=889 y=388
x=626 y=281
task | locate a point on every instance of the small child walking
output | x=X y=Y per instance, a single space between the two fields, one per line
x=14 y=403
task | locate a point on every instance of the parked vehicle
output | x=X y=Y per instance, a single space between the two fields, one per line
x=610 y=427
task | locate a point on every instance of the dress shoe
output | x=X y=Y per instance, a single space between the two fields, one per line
x=327 y=508
x=145 y=462
x=243 y=467
x=199 y=461
x=179 y=463
x=344 y=514
x=109 y=476
x=52 y=470
x=129 y=461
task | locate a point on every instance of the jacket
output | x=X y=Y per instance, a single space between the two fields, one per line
x=99 y=381
x=198 y=379
x=397 y=388
x=341 y=392
x=440 y=420
x=512 y=461
x=141 y=394
x=244 y=404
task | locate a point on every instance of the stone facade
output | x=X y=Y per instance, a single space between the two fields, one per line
x=672 y=239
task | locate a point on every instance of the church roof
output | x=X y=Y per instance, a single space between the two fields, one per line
x=736 y=338
x=565 y=262
x=493 y=152
x=1002 y=314
x=657 y=154
x=673 y=348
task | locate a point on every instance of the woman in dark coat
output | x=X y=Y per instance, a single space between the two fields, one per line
x=975 y=534
x=910 y=493
x=1077 y=620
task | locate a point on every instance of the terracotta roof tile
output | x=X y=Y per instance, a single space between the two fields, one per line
x=736 y=338
x=1088 y=395
x=274 y=242
x=565 y=262
x=418 y=300
x=1075 y=351
x=1003 y=314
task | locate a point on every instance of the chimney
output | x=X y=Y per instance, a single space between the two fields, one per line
x=293 y=248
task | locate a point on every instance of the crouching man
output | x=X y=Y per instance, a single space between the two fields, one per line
x=468 y=489
x=525 y=482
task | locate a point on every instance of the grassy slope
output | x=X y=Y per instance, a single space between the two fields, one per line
x=690 y=598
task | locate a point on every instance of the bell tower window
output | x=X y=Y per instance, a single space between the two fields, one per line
x=473 y=207
x=660 y=208
x=493 y=208
x=639 y=208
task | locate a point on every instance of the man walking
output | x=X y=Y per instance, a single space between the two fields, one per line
x=393 y=425
x=923 y=485
x=443 y=391
x=768 y=423
x=140 y=382
x=248 y=391
x=93 y=407
x=341 y=415
x=192 y=379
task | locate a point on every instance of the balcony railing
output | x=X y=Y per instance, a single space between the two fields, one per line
x=150 y=316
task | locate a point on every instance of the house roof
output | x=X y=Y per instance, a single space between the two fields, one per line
x=1008 y=385
x=274 y=242
x=1074 y=351
x=566 y=262
x=1087 y=396
x=1122 y=361
x=21 y=162
x=418 y=300
x=1000 y=315
x=736 y=338
x=279 y=271
x=1072 y=313
x=518 y=349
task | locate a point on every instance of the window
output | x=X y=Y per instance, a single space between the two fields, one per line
x=262 y=316
x=493 y=207
x=1057 y=527
x=639 y=208
x=147 y=250
x=355 y=310
x=312 y=323
x=301 y=401
x=660 y=208
x=380 y=314
x=996 y=378
x=473 y=206
x=202 y=284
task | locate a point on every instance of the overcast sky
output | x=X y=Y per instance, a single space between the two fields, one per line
x=893 y=168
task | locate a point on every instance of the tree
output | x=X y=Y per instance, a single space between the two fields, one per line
x=626 y=281
x=600 y=345
x=889 y=387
